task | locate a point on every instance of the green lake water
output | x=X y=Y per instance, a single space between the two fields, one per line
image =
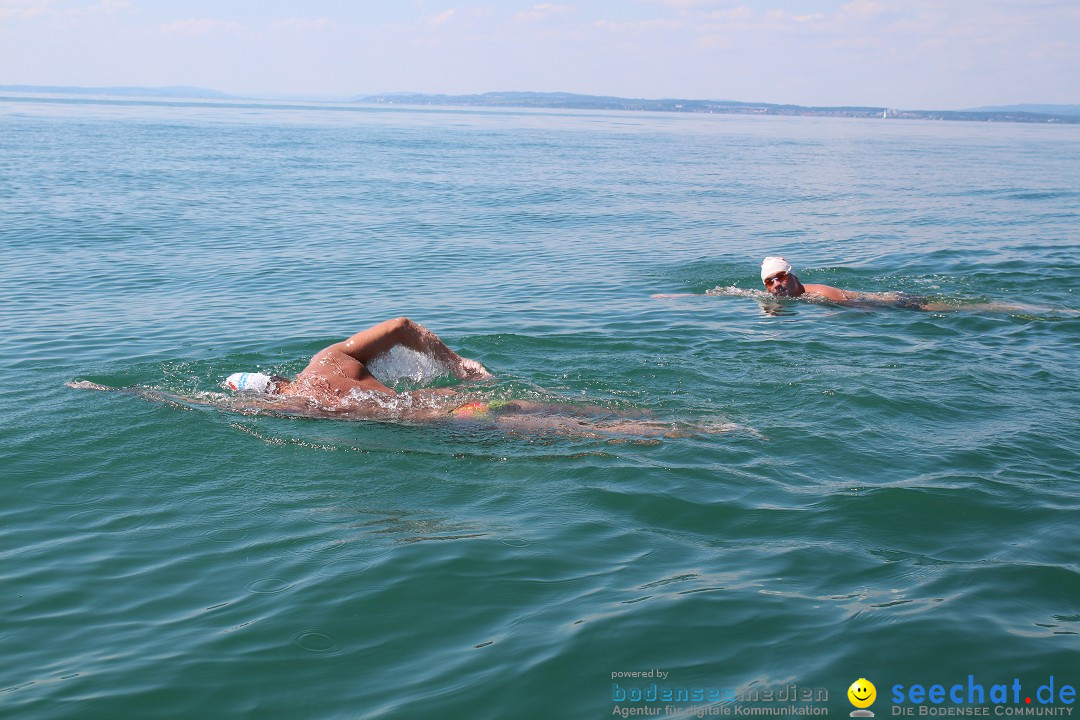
x=896 y=499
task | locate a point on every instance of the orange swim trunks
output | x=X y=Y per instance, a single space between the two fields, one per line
x=471 y=409
x=479 y=408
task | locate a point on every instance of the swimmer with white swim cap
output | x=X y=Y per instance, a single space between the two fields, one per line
x=337 y=370
x=780 y=281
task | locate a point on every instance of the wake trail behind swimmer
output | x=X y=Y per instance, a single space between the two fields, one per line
x=338 y=383
x=516 y=417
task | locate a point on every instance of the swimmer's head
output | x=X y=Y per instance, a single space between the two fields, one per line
x=252 y=382
x=772 y=265
x=778 y=279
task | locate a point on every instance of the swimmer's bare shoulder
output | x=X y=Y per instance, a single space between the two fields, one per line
x=331 y=375
x=831 y=293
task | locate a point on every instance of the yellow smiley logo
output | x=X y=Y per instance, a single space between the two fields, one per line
x=862 y=693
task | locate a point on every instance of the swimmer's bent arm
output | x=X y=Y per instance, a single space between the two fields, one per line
x=368 y=344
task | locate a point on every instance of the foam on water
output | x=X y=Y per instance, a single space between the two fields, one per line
x=402 y=363
x=732 y=291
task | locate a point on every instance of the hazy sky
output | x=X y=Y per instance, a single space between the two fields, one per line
x=911 y=54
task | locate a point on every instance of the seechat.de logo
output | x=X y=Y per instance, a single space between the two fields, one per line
x=862 y=694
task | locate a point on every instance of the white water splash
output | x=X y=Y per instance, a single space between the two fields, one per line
x=733 y=291
x=392 y=404
x=402 y=363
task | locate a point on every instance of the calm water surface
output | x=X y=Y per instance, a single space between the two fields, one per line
x=898 y=503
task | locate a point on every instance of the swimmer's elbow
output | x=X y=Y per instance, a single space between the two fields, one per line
x=394 y=326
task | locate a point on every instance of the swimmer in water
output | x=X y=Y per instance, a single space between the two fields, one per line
x=781 y=282
x=338 y=384
x=335 y=373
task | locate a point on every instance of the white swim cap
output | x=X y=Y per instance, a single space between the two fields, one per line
x=772 y=265
x=251 y=382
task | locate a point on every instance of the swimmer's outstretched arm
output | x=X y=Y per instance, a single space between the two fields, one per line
x=376 y=340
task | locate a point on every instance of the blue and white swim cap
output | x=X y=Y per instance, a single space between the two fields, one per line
x=250 y=382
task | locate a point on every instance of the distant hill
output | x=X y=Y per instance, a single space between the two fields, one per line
x=176 y=91
x=603 y=102
x=730 y=107
x=1044 y=109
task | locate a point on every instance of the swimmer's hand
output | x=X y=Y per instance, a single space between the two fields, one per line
x=472 y=370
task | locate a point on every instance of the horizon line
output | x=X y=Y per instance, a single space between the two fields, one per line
x=202 y=93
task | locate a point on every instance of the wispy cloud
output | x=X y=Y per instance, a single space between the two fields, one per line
x=440 y=18
x=638 y=26
x=783 y=16
x=300 y=24
x=25 y=9
x=738 y=14
x=201 y=26
x=29 y=9
x=863 y=8
x=543 y=11
x=687 y=3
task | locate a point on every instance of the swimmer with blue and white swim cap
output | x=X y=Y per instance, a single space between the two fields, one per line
x=338 y=384
x=336 y=371
x=251 y=382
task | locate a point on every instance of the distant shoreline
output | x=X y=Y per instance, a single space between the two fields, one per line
x=569 y=101
x=572 y=101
